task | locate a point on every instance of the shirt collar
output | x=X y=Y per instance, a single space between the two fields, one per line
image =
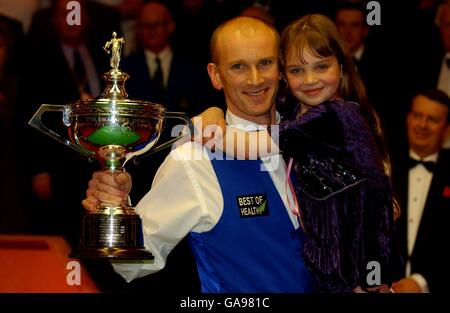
x=432 y=157
x=238 y=122
x=69 y=51
x=164 y=54
x=358 y=53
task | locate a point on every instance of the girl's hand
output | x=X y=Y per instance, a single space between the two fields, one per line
x=208 y=124
x=406 y=285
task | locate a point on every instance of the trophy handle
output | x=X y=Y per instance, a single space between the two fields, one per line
x=173 y=115
x=36 y=122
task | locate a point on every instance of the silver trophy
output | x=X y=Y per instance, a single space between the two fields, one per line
x=112 y=129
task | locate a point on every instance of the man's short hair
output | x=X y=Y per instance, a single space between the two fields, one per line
x=435 y=95
x=352 y=5
x=218 y=30
x=440 y=11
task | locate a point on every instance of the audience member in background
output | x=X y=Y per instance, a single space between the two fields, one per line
x=259 y=13
x=11 y=207
x=63 y=63
x=443 y=83
x=128 y=10
x=197 y=17
x=442 y=72
x=422 y=180
x=350 y=20
x=160 y=74
x=15 y=28
x=22 y=10
x=74 y=51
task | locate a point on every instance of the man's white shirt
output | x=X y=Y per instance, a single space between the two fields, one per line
x=419 y=181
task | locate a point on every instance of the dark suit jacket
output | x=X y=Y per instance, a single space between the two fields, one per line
x=13 y=28
x=47 y=75
x=430 y=51
x=427 y=256
x=372 y=67
x=102 y=21
x=188 y=88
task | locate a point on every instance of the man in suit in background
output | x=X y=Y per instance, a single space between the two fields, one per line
x=443 y=80
x=441 y=68
x=351 y=24
x=423 y=186
x=361 y=40
x=63 y=65
x=157 y=72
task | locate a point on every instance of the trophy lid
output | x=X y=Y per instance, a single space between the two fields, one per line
x=111 y=127
x=115 y=78
x=112 y=119
x=114 y=95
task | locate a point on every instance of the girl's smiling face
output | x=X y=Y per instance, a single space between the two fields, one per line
x=312 y=79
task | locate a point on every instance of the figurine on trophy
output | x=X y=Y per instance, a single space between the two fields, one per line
x=112 y=129
x=116 y=50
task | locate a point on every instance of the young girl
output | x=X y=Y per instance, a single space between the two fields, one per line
x=334 y=141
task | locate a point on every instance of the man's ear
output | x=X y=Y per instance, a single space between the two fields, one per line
x=214 y=76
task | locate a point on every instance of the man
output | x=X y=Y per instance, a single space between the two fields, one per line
x=351 y=24
x=350 y=20
x=13 y=216
x=63 y=64
x=423 y=185
x=238 y=246
x=74 y=51
x=443 y=22
x=259 y=12
x=443 y=83
x=157 y=72
x=434 y=50
x=434 y=71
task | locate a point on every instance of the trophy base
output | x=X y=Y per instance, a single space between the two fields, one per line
x=132 y=254
x=114 y=233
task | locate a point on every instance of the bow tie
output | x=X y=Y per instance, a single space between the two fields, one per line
x=429 y=165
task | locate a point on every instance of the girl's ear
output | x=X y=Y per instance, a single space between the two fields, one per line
x=214 y=76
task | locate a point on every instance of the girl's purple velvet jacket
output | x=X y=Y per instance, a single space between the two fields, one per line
x=345 y=198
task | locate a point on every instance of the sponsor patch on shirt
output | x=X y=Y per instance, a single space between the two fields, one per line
x=252 y=205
